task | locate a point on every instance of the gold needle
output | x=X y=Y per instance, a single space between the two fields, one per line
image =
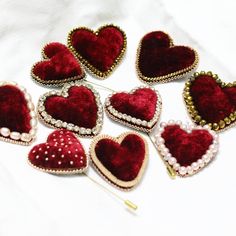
x=127 y=202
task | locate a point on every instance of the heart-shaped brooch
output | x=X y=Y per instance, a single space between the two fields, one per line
x=62 y=153
x=159 y=60
x=139 y=109
x=77 y=107
x=121 y=161
x=18 y=121
x=58 y=66
x=186 y=148
x=211 y=101
x=99 y=51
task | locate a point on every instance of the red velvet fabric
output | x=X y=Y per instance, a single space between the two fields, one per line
x=158 y=58
x=122 y=160
x=141 y=104
x=186 y=148
x=79 y=108
x=61 y=64
x=62 y=151
x=14 y=112
x=100 y=50
x=212 y=102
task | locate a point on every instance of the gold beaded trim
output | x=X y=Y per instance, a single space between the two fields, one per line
x=94 y=71
x=195 y=116
x=106 y=174
x=171 y=76
x=55 y=83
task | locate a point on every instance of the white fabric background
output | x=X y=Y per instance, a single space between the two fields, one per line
x=36 y=203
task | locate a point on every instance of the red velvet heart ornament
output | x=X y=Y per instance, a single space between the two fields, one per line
x=76 y=107
x=17 y=117
x=139 y=109
x=158 y=60
x=100 y=51
x=59 y=66
x=121 y=160
x=211 y=101
x=61 y=154
x=186 y=148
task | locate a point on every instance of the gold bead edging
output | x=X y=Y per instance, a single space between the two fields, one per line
x=94 y=71
x=222 y=125
x=171 y=76
x=55 y=83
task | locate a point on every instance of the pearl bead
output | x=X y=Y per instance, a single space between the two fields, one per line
x=167 y=157
x=176 y=166
x=172 y=161
x=200 y=162
x=5 y=132
x=195 y=166
x=183 y=127
x=27 y=96
x=33 y=122
x=26 y=137
x=171 y=122
x=163 y=124
x=189 y=170
x=33 y=132
x=178 y=122
x=164 y=151
x=33 y=114
x=15 y=135
x=182 y=170
x=160 y=141
x=30 y=105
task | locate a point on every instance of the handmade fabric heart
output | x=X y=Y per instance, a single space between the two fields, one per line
x=77 y=107
x=100 y=51
x=139 y=109
x=59 y=66
x=211 y=101
x=61 y=154
x=186 y=148
x=158 y=60
x=121 y=160
x=17 y=117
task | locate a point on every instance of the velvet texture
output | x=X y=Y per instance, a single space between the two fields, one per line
x=79 y=108
x=141 y=104
x=212 y=102
x=62 y=151
x=61 y=64
x=158 y=58
x=186 y=148
x=14 y=112
x=122 y=160
x=100 y=50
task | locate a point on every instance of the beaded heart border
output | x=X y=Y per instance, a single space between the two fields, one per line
x=94 y=71
x=222 y=125
x=181 y=74
x=138 y=124
x=55 y=83
x=53 y=123
x=15 y=137
x=195 y=167
x=105 y=173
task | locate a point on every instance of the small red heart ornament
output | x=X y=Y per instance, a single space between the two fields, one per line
x=62 y=153
x=139 y=109
x=18 y=122
x=159 y=60
x=99 y=51
x=77 y=107
x=186 y=148
x=58 y=66
x=211 y=101
x=121 y=161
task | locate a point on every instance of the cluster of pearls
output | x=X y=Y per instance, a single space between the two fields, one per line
x=62 y=124
x=195 y=166
x=131 y=119
x=16 y=136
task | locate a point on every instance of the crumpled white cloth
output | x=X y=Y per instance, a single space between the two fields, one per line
x=39 y=204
